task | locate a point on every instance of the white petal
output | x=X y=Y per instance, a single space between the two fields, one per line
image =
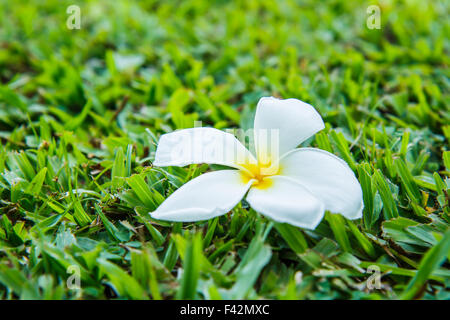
x=285 y=200
x=201 y=145
x=281 y=125
x=328 y=177
x=207 y=196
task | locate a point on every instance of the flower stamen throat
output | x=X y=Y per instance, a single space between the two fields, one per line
x=260 y=173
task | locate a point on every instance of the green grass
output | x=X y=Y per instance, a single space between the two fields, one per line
x=81 y=112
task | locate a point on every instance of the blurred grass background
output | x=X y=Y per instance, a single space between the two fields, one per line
x=81 y=111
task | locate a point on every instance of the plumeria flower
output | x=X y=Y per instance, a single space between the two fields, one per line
x=285 y=183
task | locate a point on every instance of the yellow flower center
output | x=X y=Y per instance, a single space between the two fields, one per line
x=259 y=172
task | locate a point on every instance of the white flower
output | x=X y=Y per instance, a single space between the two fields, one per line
x=296 y=187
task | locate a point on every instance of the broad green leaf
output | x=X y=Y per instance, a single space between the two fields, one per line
x=293 y=237
x=118 y=169
x=137 y=183
x=337 y=224
x=125 y=285
x=430 y=262
x=192 y=263
x=35 y=186
x=389 y=206
x=407 y=180
x=256 y=257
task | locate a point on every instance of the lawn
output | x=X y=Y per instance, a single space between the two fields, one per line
x=82 y=110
